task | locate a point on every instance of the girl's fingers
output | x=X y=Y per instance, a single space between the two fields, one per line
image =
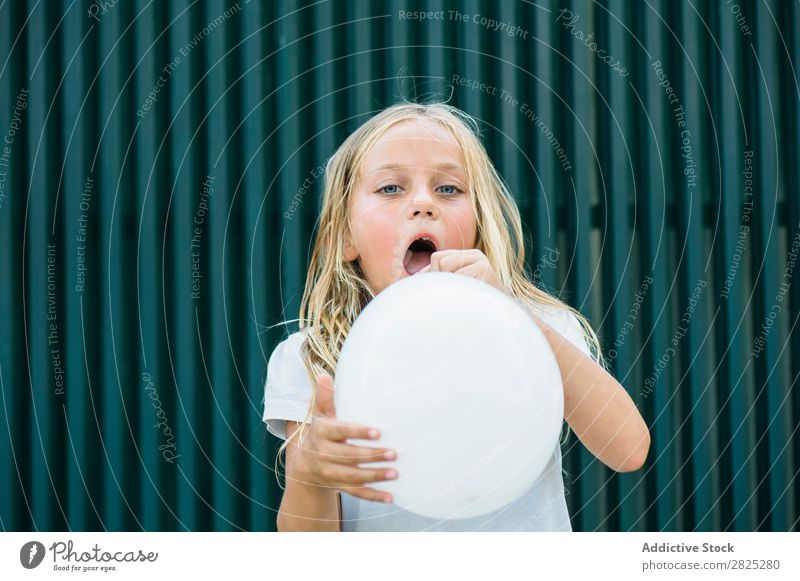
x=350 y=454
x=339 y=431
x=452 y=260
x=341 y=475
x=472 y=270
x=324 y=402
x=368 y=494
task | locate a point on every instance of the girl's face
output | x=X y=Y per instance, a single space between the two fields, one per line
x=413 y=185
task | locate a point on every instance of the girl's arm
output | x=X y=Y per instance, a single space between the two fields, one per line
x=306 y=507
x=597 y=407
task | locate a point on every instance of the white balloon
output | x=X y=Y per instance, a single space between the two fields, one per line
x=462 y=383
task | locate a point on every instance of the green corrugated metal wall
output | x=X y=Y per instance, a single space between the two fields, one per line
x=646 y=224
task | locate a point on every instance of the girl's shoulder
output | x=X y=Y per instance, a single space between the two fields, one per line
x=287 y=390
x=290 y=347
x=548 y=311
x=286 y=357
x=564 y=322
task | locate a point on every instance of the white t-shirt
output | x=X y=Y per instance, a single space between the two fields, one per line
x=287 y=396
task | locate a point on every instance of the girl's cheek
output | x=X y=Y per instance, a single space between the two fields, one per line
x=377 y=229
x=378 y=219
x=461 y=229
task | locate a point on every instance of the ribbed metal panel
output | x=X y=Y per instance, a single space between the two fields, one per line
x=147 y=249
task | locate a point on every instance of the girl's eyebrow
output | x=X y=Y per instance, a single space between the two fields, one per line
x=441 y=166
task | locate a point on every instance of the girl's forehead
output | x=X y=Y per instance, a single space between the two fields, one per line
x=418 y=130
x=408 y=140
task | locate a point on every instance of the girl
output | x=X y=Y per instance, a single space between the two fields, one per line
x=413 y=190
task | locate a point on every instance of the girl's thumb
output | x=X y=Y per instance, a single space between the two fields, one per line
x=325 y=396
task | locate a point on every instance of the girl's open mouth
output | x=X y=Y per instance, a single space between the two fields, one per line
x=418 y=255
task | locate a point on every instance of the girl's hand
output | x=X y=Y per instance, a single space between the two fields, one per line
x=325 y=458
x=470 y=262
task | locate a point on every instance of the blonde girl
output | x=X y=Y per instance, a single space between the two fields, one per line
x=413 y=190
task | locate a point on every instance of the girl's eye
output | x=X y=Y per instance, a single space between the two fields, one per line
x=383 y=189
x=394 y=189
x=454 y=189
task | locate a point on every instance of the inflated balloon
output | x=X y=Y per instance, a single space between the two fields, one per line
x=462 y=383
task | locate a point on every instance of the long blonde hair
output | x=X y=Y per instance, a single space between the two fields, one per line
x=336 y=290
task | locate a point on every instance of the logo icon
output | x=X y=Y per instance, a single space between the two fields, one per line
x=31 y=554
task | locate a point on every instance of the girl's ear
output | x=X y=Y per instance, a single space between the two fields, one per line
x=348 y=248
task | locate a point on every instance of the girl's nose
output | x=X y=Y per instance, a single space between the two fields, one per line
x=422 y=202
